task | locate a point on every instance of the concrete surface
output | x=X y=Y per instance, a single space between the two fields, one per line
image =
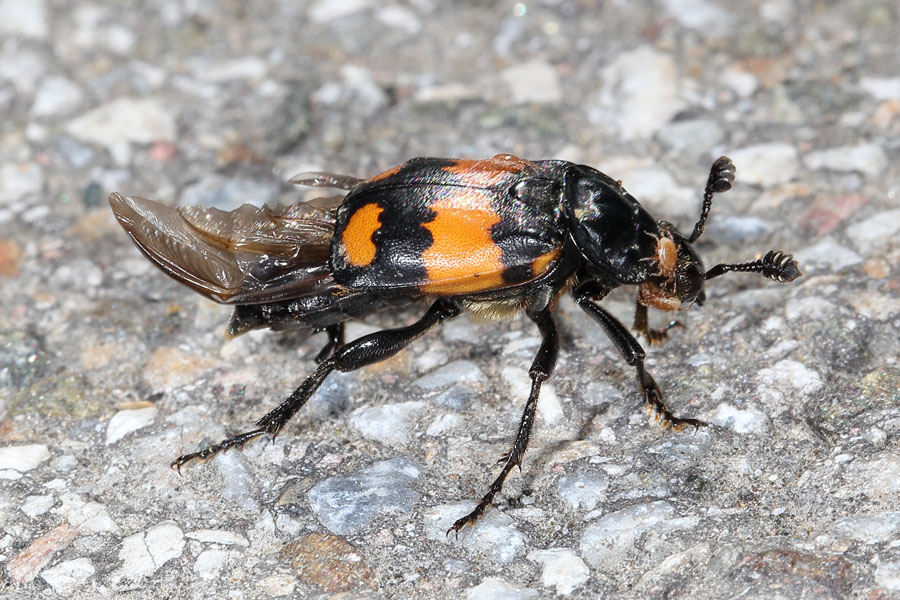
x=108 y=370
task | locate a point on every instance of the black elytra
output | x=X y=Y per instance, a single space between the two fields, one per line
x=494 y=237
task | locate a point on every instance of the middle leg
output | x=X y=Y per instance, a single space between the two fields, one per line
x=656 y=337
x=540 y=371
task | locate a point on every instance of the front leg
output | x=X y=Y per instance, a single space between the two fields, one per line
x=540 y=370
x=656 y=337
x=633 y=354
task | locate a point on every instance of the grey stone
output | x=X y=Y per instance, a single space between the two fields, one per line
x=348 y=505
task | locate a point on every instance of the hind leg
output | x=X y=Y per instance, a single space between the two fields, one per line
x=366 y=350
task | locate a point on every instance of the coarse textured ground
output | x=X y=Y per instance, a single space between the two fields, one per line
x=108 y=369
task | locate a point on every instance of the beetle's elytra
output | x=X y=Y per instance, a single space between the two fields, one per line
x=495 y=237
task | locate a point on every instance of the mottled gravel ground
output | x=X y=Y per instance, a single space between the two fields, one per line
x=108 y=369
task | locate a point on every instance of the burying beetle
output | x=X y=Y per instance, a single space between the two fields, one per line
x=495 y=237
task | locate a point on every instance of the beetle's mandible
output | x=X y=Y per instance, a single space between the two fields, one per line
x=495 y=237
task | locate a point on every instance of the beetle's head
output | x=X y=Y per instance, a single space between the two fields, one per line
x=678 y=282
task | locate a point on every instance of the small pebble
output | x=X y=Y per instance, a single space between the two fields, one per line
x=868 y=159
x=217 y=536
x=741 y=421
x=125 y=421
x=34 y=506
x=209 y=563
x=875 y=232
x=640 y=93
x=68 y=576
x=386 y=424
x=610 y=541
x=27 y=18
x=532 y=82
x=562 y=569
x=56 y=96
x=581 y=490
x=792 y=375
x=142 y=554
x=457 y=372
x=766 y=164
x=347 y=505
x=15 y=460
x=497 y=588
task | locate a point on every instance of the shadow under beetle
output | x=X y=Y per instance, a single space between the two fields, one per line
x=495 y=237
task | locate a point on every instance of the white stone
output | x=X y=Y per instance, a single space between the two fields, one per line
x=67 y=576
x=457 y=372
x=399 y=17
x=827 y=253
x=740 y=421
x=143 y=553
x=24 y=17
x=217 y=536
x=871 y=528
x=882 y=88
x=247 y=67
x=766 y=164
x=55 y=95
x=277 y=585
x=209 y=563
x=740 y=82
x=868 y=159
x=876 y=231
x=34 y=506
x=791 y=374
x=640 y=93
x=22 y=458
x=494 y=536
x=124 y=120
x=562 y=569
x=700 y=15
x=239 y=486
x=535 y=81
x=810 y=307
x=443 y=424
x=125 y=421
x=887 y=575
x=18 y=180
x=549 y=408
x=583 y=491
x=329 y=10
x=609 y=542
x=87 y=517
x=497 y=588
x=385 y=424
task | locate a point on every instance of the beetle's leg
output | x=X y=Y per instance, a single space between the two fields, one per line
x=335 y=340
x=364 y=351
x=656 y=337
x=541 y=368
x=634 y=355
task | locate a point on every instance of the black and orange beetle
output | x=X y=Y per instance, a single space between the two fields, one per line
x=495 y=237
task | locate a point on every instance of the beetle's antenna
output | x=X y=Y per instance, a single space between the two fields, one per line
x=777 y=266
x=721 y=176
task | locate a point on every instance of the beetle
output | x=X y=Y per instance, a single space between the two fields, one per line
x=494 y=237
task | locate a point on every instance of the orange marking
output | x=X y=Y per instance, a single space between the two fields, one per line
x=542 y=262
x=488 y=172
x=463 y=258
x=357 y=236
x=386 y=174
